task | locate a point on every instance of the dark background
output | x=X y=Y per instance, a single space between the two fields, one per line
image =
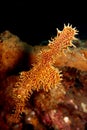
x=36 y=22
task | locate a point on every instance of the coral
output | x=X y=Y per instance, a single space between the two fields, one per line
x=43 y=86
x=12 y=53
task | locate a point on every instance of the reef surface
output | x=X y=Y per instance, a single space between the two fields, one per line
x=43 y=87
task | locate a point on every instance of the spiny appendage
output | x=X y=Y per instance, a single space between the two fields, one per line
x=46 y=57
x=63 y=39
x=37 y=78
x=20 y=94
x=51 y=77
x=46 y=76
x=42 y=77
